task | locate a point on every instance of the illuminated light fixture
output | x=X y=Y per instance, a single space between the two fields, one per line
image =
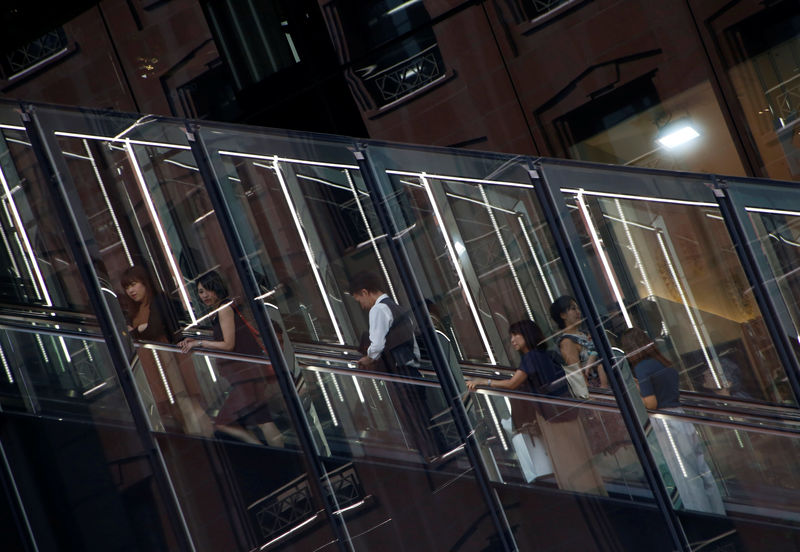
x=107 y=201
x=162 y=235
x=643 y=198
x=677 y=136
x=95 y=388
x=307 y=247
x=6 y=367
x=30 y=259
x=772 y=211
x=457 y=265
x=323 y=181
x=675 y=450
x=13 y=127
x=327 y=399
x=286 y=160
x=289 y=532
x=371 y=235
x=685 y=301
x=351 y=507
x=506 y=254
x=536 y=259
x=358 y=389
x=598 y=246
x=163 y=377
x=460 y=179
x=210 y=369
x=402 y=6
x=207 y=315
x=497 y=425
x=125 y=140
x=634 y=250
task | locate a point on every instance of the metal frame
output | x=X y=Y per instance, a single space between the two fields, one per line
x=52 y=164
x=744 y=250
x=319 y=476
x=585 y=300
x=450 y=390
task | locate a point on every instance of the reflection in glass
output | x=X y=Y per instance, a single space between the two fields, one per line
x=667 y=269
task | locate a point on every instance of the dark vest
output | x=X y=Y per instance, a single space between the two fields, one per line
x=399 y=348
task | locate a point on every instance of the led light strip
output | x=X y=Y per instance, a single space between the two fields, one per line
x=603 y=258
x=306 y=247
x=210 y=369
x=498 y=427
x=454 y=259
x=12 y=127
x=639 y=197
x=505 y=250
x=460 y=179
x=327 y=399
x=107 y=201
x=772 y=211
x=675 y=450
x=289 y=532
x=536 y=259
x=634 y=249
x=163 y=377
x=5 y=365
x=371 y=235
x=286 y=160
x=688 y=310
x=27 y=243
x=358 y=389
x=123 y=140
x=162 y=236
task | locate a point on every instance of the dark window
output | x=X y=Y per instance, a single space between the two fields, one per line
x=392 y=47
x=36 y=52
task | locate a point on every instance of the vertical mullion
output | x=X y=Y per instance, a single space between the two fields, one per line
x=766 y=305
x=52 y=165
x=549 y=203
x=440 y=364
x=319 y=476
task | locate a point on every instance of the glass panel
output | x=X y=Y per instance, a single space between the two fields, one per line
x=481 y=250
x=771 y=217
x=199 y=364
x=67 y=437
x=393 y=428
x=659 y=255
x=538 y=444
x=36 y=266
x=309 y=228
x=672 y=295
x=47 y=374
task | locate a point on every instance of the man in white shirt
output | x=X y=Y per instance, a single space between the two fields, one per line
x=391 y=327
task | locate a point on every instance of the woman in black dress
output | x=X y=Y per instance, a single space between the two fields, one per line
x=254 y=393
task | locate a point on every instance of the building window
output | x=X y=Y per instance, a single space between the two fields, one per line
x=391 y=46
x=254 y=37
x=34 y=54
x=536 y=8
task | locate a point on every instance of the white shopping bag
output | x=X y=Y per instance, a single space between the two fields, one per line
x=532 y=456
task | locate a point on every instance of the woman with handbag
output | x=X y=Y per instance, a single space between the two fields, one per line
x=254 y=394
x=559 y=426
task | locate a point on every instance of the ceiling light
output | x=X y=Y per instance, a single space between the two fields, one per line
x=678 y=136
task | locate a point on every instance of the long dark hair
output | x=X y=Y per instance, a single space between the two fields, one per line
x=132 y=275
x=530 y=332
x=559 y=307
x=212 y=281
x=638 y=346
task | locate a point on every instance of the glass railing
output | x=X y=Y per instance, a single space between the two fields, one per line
x=143 y=261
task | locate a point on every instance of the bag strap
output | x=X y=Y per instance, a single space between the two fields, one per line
x=251 y=328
